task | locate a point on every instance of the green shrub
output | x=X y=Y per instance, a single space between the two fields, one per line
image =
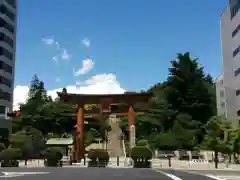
x=9 y=157
x=141 y=156
x=53 y=155
x=142 y=142
x=92 y=155
x=98 y=158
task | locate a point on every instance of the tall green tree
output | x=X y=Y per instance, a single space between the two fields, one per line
x=187 y=89
x=37 y=96
x=32 y=109
x=181 y=105
x=158 y=112
x=216 y=138
x=235 y=140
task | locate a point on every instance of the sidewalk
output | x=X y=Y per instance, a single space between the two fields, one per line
x=185 y=165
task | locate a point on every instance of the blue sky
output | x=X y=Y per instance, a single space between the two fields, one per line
x=134 y=40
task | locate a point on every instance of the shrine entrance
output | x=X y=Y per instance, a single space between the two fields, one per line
x=105 y=101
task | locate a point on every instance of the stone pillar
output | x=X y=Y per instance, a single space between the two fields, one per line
x=79 y=133
x=132 y=135
x=130 y=116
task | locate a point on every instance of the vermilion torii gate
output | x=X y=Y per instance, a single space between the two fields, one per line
x=105 y=101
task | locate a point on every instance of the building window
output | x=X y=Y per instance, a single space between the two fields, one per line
x=236 y=51
x=6 y=53
x=2 y=109
x=238 y=92
x=6 y=39
x=234 y=9
x=5 y=81
x=236 y=31
x=5 y=67
x=7 y=26
x=237 y=72
x=4 y=10
x=221 y=94
x=12 y=3
x=5 y=95
x=222 y=104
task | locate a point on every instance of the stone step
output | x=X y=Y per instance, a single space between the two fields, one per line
x=114 y=137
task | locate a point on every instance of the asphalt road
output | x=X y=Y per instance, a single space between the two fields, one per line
x=218 y=174
x=97 y=173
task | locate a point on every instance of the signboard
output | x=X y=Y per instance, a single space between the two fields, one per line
x=92 y=109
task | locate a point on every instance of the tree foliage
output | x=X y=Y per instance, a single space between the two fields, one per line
x=179 y=108
x=30 y=141
x=50 y=117
x=187 y=90
x=175 y=117
x=218 y=137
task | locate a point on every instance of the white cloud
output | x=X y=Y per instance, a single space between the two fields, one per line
x=98 y=84
x=102 y=78
x=86 y=42
x=49 y=41
x=79 y=83
x=55 y=59
x=87 y=65
x=20 y=95
x=57 y=45
x=65 y=55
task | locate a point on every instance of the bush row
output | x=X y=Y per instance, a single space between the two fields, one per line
x=141 y=156
x=9 y=157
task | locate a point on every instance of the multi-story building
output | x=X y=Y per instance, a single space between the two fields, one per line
x=8 y=18
x=230 y=40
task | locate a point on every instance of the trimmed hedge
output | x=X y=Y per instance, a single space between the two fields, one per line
x=53 y=156
x=98 y=158
x=9 y=157
x=2 y=146
x=141 y=156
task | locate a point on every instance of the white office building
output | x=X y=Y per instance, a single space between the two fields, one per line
x=228 y=84
x=8 y=19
